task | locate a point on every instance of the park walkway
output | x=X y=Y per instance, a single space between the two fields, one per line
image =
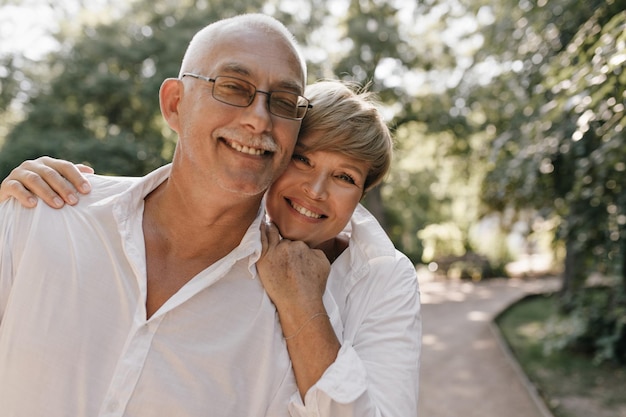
x=465 y=372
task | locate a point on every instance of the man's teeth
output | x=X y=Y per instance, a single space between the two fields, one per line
x=245 y=149
x=305 y=212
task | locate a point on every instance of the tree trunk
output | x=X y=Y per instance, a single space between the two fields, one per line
x=623 y=255
x=574 y=273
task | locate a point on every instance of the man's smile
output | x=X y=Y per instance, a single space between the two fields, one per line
x=246 y=149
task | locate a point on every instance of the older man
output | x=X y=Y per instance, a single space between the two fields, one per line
x=142 y=299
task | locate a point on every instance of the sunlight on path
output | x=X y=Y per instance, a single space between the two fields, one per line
x=464 y=371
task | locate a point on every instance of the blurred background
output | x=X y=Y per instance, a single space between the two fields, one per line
x=508 y=115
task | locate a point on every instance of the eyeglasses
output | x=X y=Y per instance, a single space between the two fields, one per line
x=241 y=93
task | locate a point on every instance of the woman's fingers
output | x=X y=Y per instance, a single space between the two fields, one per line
x=53 y=180
x=13 y=188
x=85 y=169
x=273 y=235
x=62 y=176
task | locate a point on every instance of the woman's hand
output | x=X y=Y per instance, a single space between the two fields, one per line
x=294 y=277
x=293 y=274
x=55 y=181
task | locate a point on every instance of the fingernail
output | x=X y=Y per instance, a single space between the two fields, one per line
x=85 y=187
x=72 y=199
x=57 y=202
x=32 y=201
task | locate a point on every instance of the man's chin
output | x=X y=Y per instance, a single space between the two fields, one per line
x=245 y=188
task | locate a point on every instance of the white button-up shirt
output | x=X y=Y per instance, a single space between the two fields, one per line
x=74 y=339
x=372 y=298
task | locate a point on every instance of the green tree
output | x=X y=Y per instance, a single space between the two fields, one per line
x=560 y=137
x=560 y=149
x=101 y=104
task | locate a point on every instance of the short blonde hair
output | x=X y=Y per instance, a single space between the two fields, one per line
x=347 y=120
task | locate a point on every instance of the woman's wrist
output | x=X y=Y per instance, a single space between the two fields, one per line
x=307 y=322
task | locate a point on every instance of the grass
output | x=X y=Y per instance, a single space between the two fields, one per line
x=571 y=385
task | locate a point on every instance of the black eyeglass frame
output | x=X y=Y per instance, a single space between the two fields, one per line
x=306 y=106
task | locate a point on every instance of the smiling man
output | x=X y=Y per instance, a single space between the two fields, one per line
x=141 y=300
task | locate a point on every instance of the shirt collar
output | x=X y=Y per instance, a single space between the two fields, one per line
x=131 y=201
x=368 y=240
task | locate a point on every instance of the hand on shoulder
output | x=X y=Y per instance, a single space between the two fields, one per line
x=56 y=181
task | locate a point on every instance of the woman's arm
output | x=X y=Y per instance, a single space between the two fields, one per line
x=55 y=181
x=294 y=277
x=375 y=373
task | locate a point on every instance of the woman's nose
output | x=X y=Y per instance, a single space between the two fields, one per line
x=316 y=187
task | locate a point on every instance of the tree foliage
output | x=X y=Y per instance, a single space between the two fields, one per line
x=560 y=149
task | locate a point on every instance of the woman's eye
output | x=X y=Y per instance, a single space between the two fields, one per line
x=300 y=158
x=347 y=178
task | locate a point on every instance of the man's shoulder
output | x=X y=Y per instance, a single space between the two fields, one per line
x=123 y=190
x=103 y=186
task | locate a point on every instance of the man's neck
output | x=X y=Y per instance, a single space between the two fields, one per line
x=188 y=225
x=183 y=238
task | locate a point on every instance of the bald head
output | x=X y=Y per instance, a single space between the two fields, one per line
x=263 y=25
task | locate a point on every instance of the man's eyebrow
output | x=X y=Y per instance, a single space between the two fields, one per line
x=235 y=68
x=238 y=69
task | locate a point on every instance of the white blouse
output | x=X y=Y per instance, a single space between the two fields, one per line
x=373 y=302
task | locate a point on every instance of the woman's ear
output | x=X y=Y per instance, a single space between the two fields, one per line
x=170 y=95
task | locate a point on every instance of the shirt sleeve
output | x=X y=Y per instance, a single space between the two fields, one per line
x=377 y=373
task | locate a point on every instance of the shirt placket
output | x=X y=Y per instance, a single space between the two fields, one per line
x=129 y=368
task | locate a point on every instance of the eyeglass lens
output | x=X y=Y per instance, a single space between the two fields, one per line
x=241 y=93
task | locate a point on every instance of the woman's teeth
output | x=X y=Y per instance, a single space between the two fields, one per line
x=305 y=212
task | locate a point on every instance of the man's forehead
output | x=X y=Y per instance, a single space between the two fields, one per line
x=246 y=50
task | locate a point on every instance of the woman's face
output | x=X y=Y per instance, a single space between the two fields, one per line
x=316 y=196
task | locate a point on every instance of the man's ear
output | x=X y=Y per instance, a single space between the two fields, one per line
x=170 y=95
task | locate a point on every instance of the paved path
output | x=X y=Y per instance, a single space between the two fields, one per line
x=465 y=372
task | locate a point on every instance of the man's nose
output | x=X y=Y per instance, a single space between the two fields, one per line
x=257 y=114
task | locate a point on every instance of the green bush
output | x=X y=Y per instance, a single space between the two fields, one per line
x=594 y=323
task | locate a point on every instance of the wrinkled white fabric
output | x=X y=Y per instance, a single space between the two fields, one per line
x=373 y=302
x=74 y=339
